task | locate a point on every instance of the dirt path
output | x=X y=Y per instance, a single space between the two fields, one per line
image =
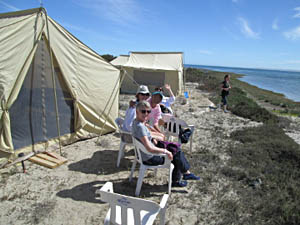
x=66 y=195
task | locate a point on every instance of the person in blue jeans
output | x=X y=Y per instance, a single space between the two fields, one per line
x=142 y=134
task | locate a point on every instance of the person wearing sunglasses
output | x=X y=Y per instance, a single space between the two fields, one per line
x=142 y=134
x=141 y=94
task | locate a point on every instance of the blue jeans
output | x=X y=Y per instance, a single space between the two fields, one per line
x=181 y=165
x=224 y=99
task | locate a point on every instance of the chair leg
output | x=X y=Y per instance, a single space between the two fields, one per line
x=140 y=180
x=170 y=178
x=191 y=143
x=155 y=172
x=132 y=170
x=121 y=152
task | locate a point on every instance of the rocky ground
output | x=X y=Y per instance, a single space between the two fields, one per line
x=66 y=195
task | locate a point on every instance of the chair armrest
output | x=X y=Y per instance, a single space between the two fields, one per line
x=192 y=127
x=125 y=132
x=107 y=187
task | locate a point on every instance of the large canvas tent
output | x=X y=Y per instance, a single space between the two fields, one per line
x=153 y=69
x=52 y=87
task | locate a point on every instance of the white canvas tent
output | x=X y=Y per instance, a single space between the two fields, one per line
x=154 y=69
x=120 y=60
x=52 y=87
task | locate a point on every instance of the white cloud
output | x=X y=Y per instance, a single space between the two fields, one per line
x=293 y=34
x=205 y=52
x=292 y=62
x=122 y=12
x=8 y=6
x=297 y=15
x=246 y=29
x=295 y=62
x=73 y=27
x=275 y=24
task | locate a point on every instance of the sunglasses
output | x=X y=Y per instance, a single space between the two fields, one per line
x=144 y=111
x=144 y=94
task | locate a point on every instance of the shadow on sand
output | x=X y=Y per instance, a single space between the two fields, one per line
x=87 y=192
x=102 y=162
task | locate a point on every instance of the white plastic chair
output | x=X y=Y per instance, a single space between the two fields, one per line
x=138 y=148
x=127 y=210
x=172 y=128
x=126 y=139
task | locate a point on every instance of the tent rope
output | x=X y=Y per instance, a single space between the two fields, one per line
x=53 y=82
x=119 y=81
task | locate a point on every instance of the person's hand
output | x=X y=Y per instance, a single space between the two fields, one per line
x=132 y=104
x=167 y=86
x=169 y=154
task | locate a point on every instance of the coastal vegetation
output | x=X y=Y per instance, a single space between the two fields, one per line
x=264 y=164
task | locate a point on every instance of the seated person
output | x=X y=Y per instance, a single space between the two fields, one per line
x=166 y=102
x=154 y=117
x=141 y=94
x=142 y=134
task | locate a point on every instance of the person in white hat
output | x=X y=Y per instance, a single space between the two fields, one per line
x=141 y=95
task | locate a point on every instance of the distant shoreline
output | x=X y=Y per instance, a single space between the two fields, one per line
x=244 y=68
x=256 y=78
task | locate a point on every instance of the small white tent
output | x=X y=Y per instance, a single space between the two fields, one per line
x=153 y=69
x=120 y=60
x=52 y=87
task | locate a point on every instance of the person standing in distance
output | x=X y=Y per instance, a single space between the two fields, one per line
x=225 y=87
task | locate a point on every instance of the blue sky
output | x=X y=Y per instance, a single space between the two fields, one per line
x=238 y=33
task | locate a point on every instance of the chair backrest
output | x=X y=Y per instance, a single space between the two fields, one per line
x=119 y=121
x=138 y=148
x=125 y=135
x=173 y=125
x=122 y=207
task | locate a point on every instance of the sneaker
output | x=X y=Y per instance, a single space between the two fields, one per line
x=226 y=111
x=182 y=183
x=190 y=176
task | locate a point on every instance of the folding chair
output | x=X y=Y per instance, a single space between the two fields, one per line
x=126 y=139
x=138 y=148
x=127 y=210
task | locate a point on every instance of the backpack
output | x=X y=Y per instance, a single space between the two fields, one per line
x=184 y=135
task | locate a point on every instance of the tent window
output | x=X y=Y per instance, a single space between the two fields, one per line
x=149 y=78
x=33 y=114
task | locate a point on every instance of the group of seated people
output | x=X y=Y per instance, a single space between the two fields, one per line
x=143 y=118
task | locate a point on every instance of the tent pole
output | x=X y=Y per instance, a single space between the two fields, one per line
x=53 y=82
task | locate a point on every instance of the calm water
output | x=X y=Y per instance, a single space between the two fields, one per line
x=285 y=82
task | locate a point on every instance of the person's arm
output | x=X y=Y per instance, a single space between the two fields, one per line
x=129 y=117
x=153 y=149
x=168 y=87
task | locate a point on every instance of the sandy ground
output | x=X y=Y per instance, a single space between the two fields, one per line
x=66 y=195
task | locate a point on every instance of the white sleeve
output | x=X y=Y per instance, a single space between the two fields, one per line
x=129 y=117
x=171 y=100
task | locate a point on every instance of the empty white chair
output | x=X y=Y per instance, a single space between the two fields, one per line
x=127 y=210
x=126 y=139
x=173 y=126
x=138 y=148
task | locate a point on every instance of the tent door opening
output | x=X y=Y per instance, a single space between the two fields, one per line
x=33 y=115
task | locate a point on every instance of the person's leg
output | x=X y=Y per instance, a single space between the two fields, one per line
x=225 y=104
x=158 y=136
x=181 y=165
x=154 y=161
